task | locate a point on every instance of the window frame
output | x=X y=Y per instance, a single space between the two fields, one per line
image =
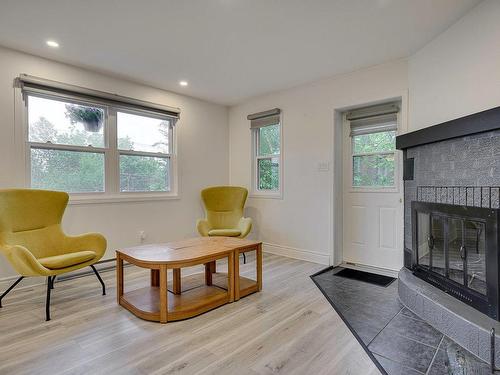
x=112 y=192
x=375 y=189
x=263 y=193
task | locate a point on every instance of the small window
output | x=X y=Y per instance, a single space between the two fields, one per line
x=267 y=163
x=268 y=158
x=373 y=145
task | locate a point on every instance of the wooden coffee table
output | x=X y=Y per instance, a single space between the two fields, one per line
x=191 y=295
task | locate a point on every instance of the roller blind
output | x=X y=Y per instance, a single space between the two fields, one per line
x=35 y=85
x=266 y=118
x=372 y=111
x=373 y=119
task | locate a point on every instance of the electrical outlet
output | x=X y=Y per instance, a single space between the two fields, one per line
x=323 y=166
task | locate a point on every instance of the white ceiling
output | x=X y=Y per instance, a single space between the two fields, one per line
x=228 y=50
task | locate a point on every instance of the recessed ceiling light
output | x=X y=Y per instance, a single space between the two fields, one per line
x=183 y=83
x=52 y=43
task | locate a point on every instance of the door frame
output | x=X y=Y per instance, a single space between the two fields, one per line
x=337 y=191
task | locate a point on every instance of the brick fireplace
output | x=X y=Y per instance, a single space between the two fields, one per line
x=452 y=193
x=451 y=277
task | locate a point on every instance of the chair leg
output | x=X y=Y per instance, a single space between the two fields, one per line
x=52 y=282
x=100 y=280
x=47 y=303
x=244 y=259
x=10 y=288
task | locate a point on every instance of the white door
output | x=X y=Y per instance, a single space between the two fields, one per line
x=372 y=193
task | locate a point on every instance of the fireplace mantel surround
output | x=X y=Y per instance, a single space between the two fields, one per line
x=475 y=123
x=458 y=162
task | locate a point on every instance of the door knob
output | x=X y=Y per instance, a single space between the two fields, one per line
x=463 y=252
x=430 y=242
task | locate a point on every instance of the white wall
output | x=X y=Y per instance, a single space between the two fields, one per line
x=301 y=224
x=458 y=73
x=202 y=145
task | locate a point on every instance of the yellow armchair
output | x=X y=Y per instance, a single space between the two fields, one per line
x=224 y=207
x=32 y=240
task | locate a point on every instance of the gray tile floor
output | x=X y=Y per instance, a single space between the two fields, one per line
x=400 y=341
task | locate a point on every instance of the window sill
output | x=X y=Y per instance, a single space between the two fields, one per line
x=260 y=195
x=374 y=190
x=100 y=199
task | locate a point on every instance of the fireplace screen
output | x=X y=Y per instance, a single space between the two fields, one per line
x=455 y=249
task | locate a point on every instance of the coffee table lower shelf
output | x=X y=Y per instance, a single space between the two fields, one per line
x=195 y=297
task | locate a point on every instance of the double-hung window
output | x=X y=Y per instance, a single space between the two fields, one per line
x=145 y=152
x=267 y=162
x=90 y=145
x=66 y=155
x=373 y=147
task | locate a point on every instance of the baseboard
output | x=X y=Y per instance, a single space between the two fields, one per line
x=29 y=282
x=291 y=252
x=371 y=269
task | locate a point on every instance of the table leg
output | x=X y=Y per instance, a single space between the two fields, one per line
x=177 y=280
x=119 y=277
x=155 y=278
x=163 y=294
x=230 y=276
x=213 y=266
x=259 y=266
x=208 y=274
x=236 y=271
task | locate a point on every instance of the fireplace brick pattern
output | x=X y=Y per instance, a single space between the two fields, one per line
x=468 y=161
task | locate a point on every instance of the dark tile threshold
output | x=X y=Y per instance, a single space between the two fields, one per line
x=370 y=354
x=397 y=340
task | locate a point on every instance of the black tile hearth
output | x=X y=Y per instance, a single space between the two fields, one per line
x=441 y=362
x=395 y=368
x=417 y=330
x=401 y=349
x=398 y=341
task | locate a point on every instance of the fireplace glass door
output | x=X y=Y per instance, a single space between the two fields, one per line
x=431 y=242
x=455 y=251
x=456 y=248
x=474 y=241
x=452 y=247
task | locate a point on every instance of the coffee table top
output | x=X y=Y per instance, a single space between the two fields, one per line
x=192 y=249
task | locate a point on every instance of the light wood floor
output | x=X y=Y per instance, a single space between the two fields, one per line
x=288 y=328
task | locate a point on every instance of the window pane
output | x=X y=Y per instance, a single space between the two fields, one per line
x=141 y=133
x=268 y=170
x=269 y=140
x=70 y=171
x=65 y=123
x=144 y=173
x=374 y=142
x=373 y=170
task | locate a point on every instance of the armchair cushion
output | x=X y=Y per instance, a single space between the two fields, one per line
x=224 y=232
x=245 y=226
x=67 y=260
x=203 y=227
